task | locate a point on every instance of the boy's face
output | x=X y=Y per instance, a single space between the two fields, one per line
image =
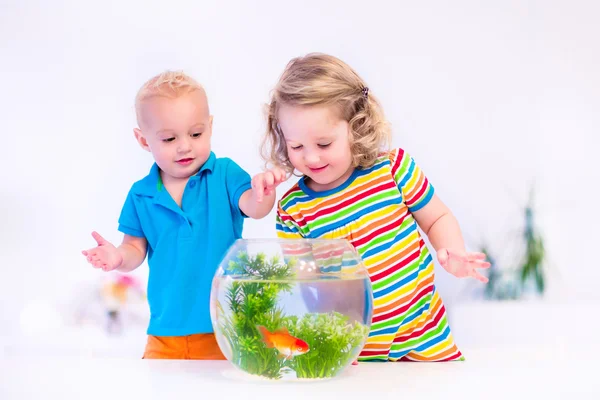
x=177 y=132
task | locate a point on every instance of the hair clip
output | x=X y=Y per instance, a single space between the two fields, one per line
x=365 y=92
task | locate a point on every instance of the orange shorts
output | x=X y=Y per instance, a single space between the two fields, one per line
x=201 y=346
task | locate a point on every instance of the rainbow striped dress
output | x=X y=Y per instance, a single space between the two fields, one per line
x=373 y=210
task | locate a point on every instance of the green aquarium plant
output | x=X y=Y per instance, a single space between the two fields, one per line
x=332 y=339
x=252 y=303
x=529 y=273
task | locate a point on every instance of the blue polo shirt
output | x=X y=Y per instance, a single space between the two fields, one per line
x=185 y=244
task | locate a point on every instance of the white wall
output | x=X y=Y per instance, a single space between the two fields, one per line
x=488 y=97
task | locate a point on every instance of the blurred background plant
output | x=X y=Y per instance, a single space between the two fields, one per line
x=528 y=276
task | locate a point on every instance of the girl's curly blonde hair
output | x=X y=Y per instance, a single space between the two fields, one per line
x=321 y=79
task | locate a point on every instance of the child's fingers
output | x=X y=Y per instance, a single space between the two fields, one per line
x=90 y=252
x=478 y=276
x=280 y=175
x=99 y=239
x=461 y=258
x=97 y=256
x=476 y=256
x=269 y=179
x=93 y=257
x=276 y=175
x=479 y=264
x=96 y=259
x=106 y=266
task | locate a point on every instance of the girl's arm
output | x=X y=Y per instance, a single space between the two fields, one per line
x=441 y=227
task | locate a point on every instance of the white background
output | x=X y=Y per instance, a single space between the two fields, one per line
x=487 y=96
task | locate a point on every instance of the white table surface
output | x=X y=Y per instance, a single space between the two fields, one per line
x=487 y=374
x=545 y=357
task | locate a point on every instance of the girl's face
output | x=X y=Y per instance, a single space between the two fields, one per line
x=318 y=145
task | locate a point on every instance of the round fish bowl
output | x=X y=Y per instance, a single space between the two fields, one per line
x=289 y=309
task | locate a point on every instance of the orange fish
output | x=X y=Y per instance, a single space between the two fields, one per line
x=287 y=345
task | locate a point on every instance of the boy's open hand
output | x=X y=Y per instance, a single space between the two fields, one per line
x=463 y=264
x=264 y=184
x=105 y=255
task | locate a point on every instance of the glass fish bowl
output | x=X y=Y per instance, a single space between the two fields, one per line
x=290 y=309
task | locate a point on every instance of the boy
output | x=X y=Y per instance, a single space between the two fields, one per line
x=184 y=215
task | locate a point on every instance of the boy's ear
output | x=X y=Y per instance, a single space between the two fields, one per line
x=141 y=139
x=210 y=122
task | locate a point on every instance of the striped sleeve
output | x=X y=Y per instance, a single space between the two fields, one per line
x=416 y=189
x=287 y=227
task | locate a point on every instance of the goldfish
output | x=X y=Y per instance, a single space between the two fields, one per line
x=287 y=345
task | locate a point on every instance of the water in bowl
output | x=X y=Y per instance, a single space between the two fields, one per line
x=291 y=309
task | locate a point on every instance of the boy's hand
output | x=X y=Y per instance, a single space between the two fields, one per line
x=105 y=255
x=463 y=264
x=264 y=184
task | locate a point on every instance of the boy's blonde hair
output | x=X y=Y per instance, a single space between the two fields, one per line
x=170 y=84
x=321 y=79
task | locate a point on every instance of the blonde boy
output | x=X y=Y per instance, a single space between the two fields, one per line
x=183 y=215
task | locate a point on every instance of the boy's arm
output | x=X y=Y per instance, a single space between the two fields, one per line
x=127 y=257
x=133 y=252
x=252 y=207
x=258 y=201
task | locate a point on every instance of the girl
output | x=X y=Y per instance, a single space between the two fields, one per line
x=324 y=123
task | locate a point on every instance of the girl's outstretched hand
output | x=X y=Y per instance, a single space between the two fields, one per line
x=463 y=264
